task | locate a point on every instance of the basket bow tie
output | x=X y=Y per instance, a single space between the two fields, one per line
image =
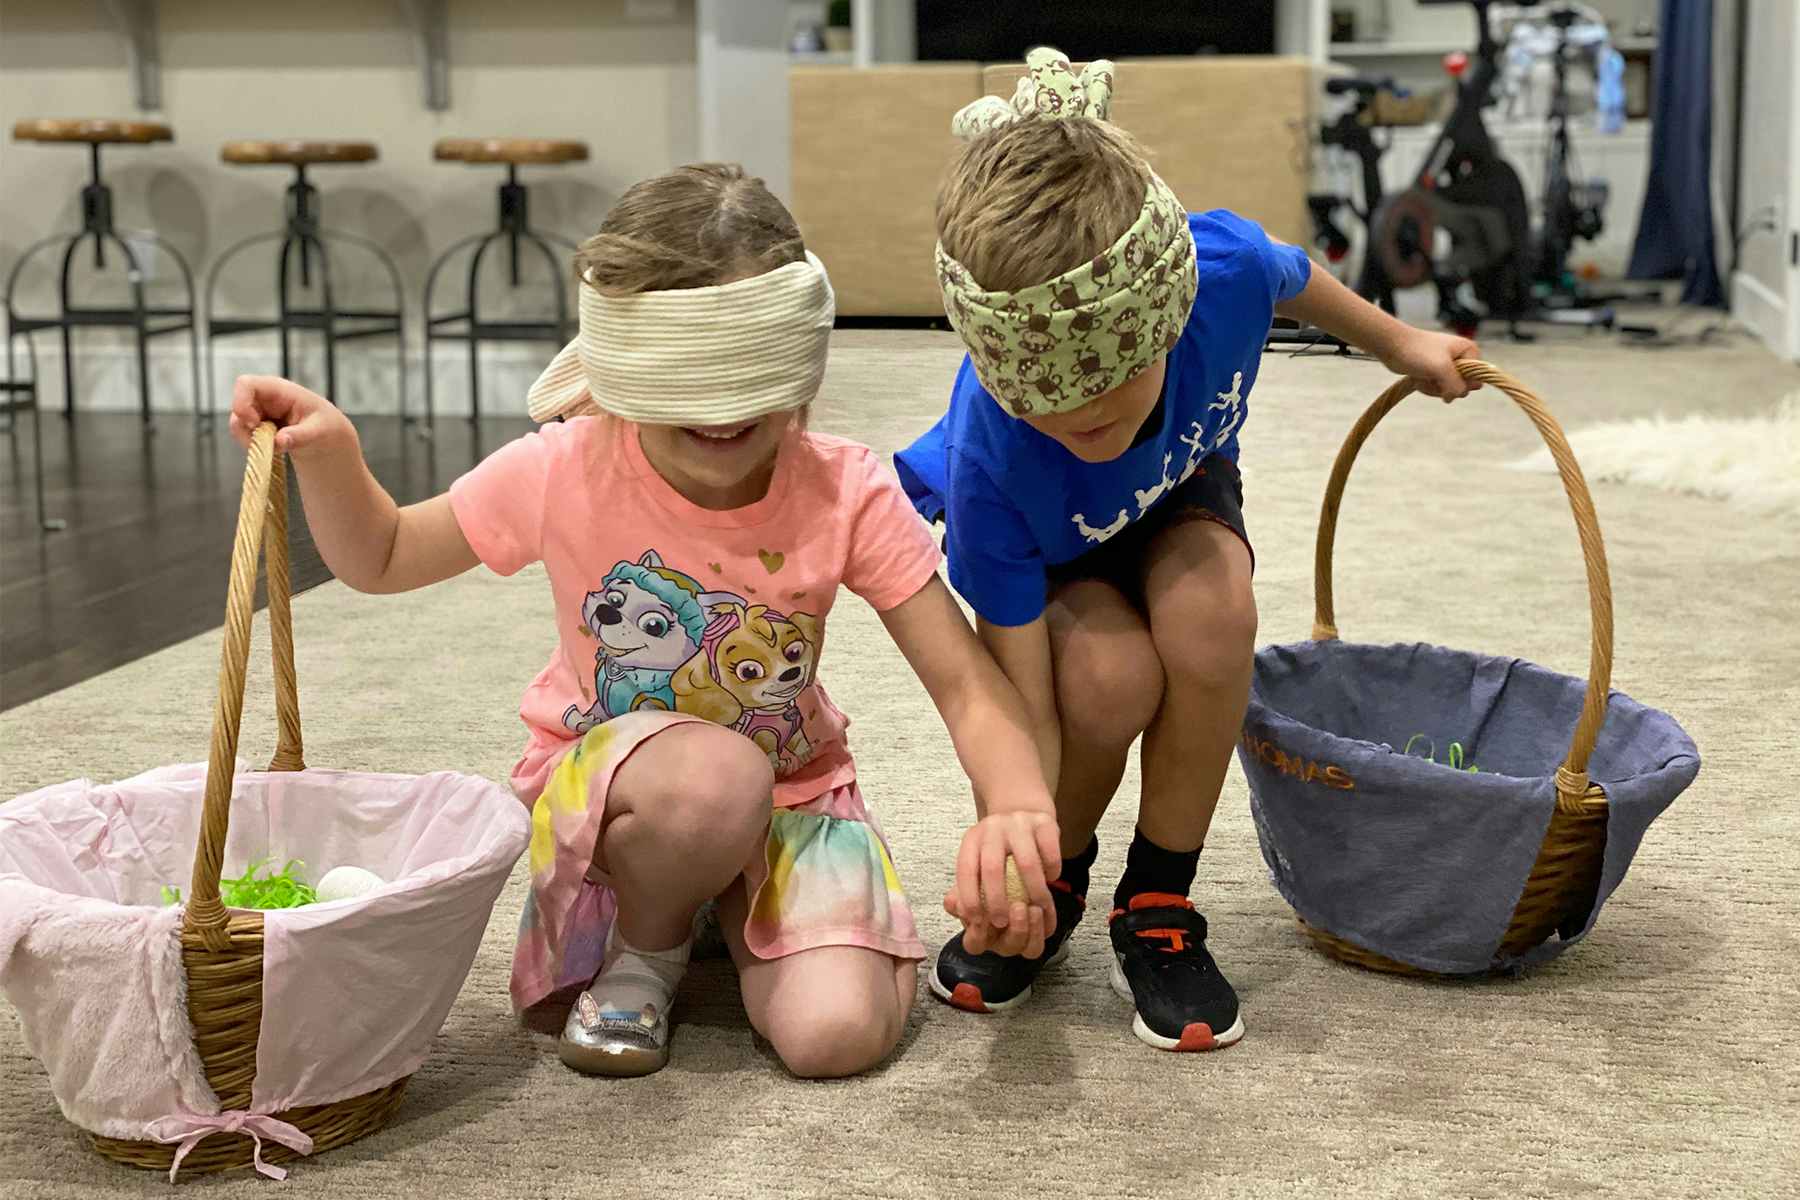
x=187 y=1130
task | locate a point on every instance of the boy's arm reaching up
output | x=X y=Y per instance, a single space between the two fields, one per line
x=993 y=738
x=367 y=540
x=1428 y=358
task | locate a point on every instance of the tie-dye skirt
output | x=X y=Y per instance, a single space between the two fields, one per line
x=824 y=876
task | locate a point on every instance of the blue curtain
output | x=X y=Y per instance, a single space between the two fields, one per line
x=1675 y=230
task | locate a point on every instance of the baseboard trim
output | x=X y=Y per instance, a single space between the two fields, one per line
x=1758 y=308
x=367 y=375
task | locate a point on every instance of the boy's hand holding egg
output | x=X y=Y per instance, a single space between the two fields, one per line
x=1002 y=893
x=1015 y=885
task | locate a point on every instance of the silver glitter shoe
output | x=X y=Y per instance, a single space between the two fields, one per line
x=614 y=1043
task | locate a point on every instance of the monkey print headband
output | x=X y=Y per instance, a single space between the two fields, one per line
x=695 y=356
x=1056 y=346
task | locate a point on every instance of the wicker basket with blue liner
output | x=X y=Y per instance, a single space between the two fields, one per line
x=1400 y=863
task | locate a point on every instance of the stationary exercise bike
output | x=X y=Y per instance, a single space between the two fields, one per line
x=1573 y=207
x=1375 y=102
x=1468 y=192
x=1353 y=131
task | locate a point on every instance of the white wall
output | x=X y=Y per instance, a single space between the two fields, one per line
x=894 y=31
x=743 y=90
x=1453 y=25
x=1793 y=231
x=1765 y=294
x=1302 y=28
x=599 y=70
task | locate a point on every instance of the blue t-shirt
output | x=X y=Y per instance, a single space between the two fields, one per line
x=1015 y=502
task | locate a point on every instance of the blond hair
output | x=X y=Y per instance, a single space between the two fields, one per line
x=1030 y=200
x=695 y=226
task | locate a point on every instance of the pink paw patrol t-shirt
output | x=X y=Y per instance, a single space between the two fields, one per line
x=663 y=604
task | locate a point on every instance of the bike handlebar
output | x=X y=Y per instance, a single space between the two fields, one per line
x=1362 y=87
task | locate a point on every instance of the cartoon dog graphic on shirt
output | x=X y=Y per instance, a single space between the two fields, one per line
x=751 y=667
x=647 y=620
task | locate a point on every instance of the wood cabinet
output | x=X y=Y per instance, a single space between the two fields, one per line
x=870 y=146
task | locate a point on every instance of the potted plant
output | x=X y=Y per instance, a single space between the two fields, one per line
x=837 y=26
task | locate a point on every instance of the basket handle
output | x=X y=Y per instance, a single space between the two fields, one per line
x=262 y=522
x=1571 y=777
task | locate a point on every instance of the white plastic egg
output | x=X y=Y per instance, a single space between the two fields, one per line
x=341 y=883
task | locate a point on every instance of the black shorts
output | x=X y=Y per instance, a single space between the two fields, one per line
x=1214 y=492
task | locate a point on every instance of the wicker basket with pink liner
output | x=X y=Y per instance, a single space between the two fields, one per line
x=204 y=1037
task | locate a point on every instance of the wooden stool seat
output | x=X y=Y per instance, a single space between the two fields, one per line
x=516 y=151
x=146 y=317
x=296 y=152
x=513 y=236
x=92 y=131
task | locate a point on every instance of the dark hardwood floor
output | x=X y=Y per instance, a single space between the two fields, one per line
x=146 y=552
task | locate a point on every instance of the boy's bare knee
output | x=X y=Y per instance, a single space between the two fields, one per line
x=1215 y=648
x=1108 y=689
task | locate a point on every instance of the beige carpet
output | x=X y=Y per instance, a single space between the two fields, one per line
x=1657 y=1059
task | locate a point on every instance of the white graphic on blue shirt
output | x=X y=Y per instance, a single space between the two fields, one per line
x=1100 y=535
x=1196 y=444
x=1016 y=504
x=1232 y=404
x=1148 y=496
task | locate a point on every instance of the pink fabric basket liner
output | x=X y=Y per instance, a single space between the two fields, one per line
x=353 y=990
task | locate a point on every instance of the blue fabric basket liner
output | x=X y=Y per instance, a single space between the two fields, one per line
x=1408 y=857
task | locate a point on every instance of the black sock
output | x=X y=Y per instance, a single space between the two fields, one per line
x=1150 y=868
x=1076 y=867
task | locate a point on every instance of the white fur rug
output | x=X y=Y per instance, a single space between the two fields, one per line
x=1752 y=462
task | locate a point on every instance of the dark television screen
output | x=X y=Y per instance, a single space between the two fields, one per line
x=1003 y=30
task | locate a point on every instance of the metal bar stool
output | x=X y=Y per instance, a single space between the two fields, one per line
x=147 y=320
x=303 y=252
x=467 y=323
x=18 y=397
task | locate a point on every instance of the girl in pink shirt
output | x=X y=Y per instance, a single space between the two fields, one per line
x=680 y=745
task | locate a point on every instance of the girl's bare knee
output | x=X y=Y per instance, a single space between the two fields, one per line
x=839 y=1037
x=906 y=989
x=707 y=788
x=854 y=1012
x=726 y=785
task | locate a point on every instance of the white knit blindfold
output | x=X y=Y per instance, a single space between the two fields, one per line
x=695 y=356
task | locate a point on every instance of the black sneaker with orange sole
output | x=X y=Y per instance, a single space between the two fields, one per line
x=991 y=983
x=1161 y=965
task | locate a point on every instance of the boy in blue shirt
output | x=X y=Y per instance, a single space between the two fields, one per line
x=1086 y=473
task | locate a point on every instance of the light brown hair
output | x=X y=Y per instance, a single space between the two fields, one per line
x=695 y=226
x=1027 y=201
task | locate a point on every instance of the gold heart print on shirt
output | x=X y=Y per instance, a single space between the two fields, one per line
x=771 y=562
